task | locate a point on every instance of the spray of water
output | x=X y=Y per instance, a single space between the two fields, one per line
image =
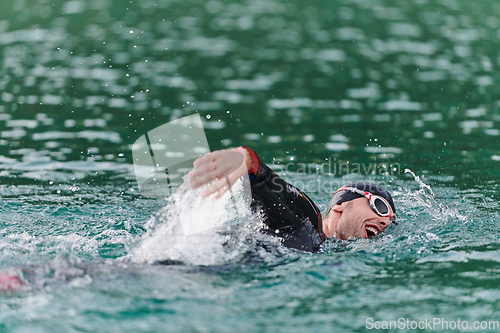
x=425 y=189
x=199 y=231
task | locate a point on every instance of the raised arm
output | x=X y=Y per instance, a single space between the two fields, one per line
x=288 y=212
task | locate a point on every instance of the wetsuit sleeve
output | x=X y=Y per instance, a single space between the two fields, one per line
x=287 y=211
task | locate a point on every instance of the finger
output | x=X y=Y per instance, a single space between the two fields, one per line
x=221 y=192
x=200 y=170
x=228 y=159
x=227 y=167
x=203 y=160
x=227 y=186
x=221 y=186
x=203 y=179
x=215 y=187
x=205 y=166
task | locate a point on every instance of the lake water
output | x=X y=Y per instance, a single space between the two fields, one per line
x=324 y=91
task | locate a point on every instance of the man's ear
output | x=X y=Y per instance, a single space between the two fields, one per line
x=338 y=208
x=332 y=219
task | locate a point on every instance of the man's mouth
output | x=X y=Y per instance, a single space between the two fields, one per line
x=371 y=231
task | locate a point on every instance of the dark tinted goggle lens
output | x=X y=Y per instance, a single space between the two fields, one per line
x=381 y=206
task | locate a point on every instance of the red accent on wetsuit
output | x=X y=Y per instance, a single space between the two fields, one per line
x=254 y=166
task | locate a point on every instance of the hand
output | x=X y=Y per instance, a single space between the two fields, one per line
x=10 y=282
x=223 y=167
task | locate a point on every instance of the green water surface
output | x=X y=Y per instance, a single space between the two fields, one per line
x=363 y=89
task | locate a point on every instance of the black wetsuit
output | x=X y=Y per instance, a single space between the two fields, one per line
x=288 y=212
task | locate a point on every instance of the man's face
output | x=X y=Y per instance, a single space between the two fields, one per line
x=358 y=220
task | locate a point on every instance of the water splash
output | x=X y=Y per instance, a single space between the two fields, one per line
x=426 y=197
x=198 y=231
x=425 y=189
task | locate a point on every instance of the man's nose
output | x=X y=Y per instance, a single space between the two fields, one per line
x=384 y=221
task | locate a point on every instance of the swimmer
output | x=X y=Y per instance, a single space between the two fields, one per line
x=357 y=209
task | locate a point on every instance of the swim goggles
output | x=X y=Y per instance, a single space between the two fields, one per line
x=378 y=204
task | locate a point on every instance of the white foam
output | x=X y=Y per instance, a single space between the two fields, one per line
x=188 y=228
x=485 y=80
x=475 y=112
x=371 y=91
x=117 y=103
x=394 y=150
x=51 y=99
x=14 y=134
x=52 y=135
x=300 y=102
x=405 y=29
x=7 y=97
x=22 y=123
x=260 y=83
x=89 y=135
x=337 y=146
x=31 y=35
x=99 y=135
x=251 y=136
x=209 y=46
x=350 y=118
x=338 y=138
x=468 y=125
x=403 y=105
x=173 y=82
x=428 y=76
x=213 y=124
x=349 y=33
x=492 y=131
x=331 y=55
x=435 y=116
x=308 y=138
x=73 y=7
x=274 y=139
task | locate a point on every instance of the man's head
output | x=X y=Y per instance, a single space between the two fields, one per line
x=359 y=209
